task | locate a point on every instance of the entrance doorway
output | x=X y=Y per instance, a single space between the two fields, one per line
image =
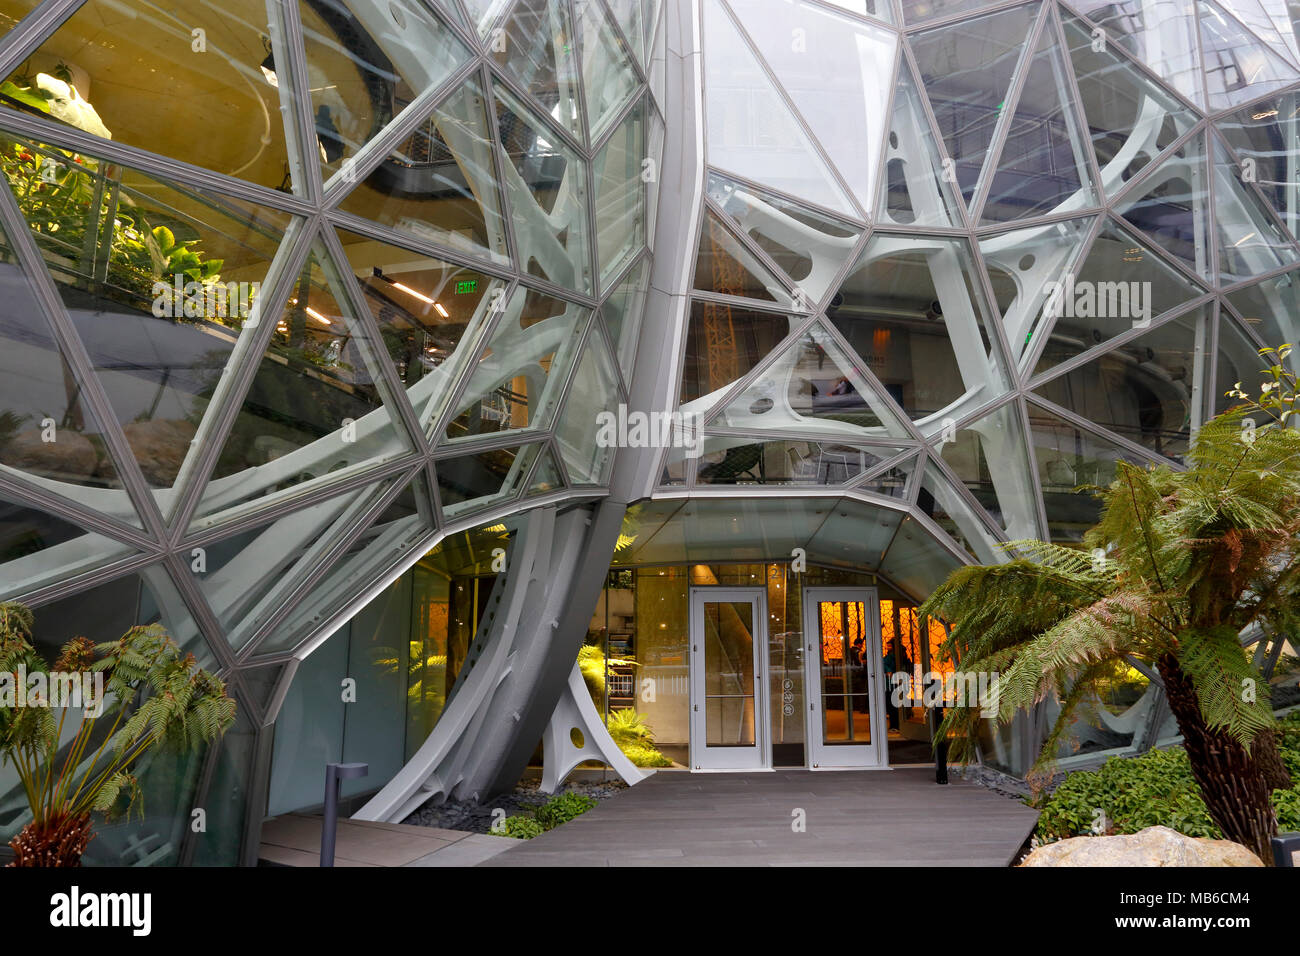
x=728 y=675
x=842 y=664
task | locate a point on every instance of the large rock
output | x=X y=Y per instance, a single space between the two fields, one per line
x=160 y=446
x=71 y=457
x=1154 y=846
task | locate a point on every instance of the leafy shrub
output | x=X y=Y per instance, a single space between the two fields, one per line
x=644 y=756
x=519 y=827
x=1156 y=788
x=635 y=738
x=562 y=808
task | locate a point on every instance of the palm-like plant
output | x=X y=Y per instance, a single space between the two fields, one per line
x=154 y=697
x=1179 y=564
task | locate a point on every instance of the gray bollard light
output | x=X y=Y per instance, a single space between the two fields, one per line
x=1285 y=847
x=335 y=774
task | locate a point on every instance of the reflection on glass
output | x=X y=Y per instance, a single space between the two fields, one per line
x=608 y=79
x=989 y=456
x=915 y=189
x=1238 y=65
x=586 y=446
x=1268 y=134
x=1238 y=361
x=729 y=685
x=38 y=549
x=620 y=194
x=473 y=482
x=726 y=460
x=1169 y=205
x=623 y=313
x=939 y=501
x=1251 y=243
x=723 y=343
x=724 y=265
x=1271 y=309
x=536 y=45
x=1158 y=33
x=844 y=668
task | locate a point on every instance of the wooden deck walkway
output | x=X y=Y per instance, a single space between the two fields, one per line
x=851 y=818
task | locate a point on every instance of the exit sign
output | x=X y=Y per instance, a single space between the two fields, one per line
x=466 y=286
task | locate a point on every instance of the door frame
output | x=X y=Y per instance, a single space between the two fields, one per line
x=705 y=759
x=820 y=755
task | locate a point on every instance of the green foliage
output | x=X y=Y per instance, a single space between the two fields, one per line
x=1155 y=789
x=562 y=808
x=518 y=827
x=635 y=738
x=643 y=756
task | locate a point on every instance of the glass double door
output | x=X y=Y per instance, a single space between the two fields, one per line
x=843 y=693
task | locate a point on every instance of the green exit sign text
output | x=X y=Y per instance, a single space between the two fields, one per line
x=466 y=286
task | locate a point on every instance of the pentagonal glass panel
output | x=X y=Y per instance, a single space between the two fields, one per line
x=1161 y=34
x=1131 y=119
x=197 y=82
x=1266 y=137
x=809 y=246
x=1043 y=167
x=911 y=308
x=834 y=69
x=939 y=501
x=623 y=313
x=738 y=460
x=516 y=381
x=751 y=131
x=1250 y=241
x=387 y=543
x=608 y=78
x=48 y=432
x=582 y=434
x=440 y=184
x=915 y=560
x=546 y=188
x=39 y=548
x=430 y=313
x=473 y=482
x=1169 y=204
x=547 y=476
x=814 y=386
x=365 y=64
x=313 y=413
x=158 y=279
x=621 y=194
x=1238 y=65
x=1149 y=389
x=536 y=46
x=915 y=186
x=1271 y=309
x=1069 y=458
x=247 y=577
x=1026 y=267
x=990 y=457
x=723 y=344
x=1121 y=285
x=966 y=69
x=1238 y=365
x=724 y=264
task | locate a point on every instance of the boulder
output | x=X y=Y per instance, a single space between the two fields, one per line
x=160 y=446
x=72 y=457
x=1154 y=846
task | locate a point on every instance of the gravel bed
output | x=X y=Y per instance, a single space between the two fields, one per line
x=477 y=817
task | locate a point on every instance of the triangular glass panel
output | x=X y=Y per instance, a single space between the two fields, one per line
x=939 y=501
x=621 y=194
x=400 y=530
x=1068 y=457
x=1271 y=309
x=48 y=431
x=1238 y=65
x=472 y=483
x=741 y=460
x=723 y=344
x=1250 y=241
x=991 y=458
x=431 y=313
x=1121 y=284
x=1270 y=21
x=608 y=78
x=365 y=73
x=1266 y=136
x=314 y=413
x=966 y=69
x=1148 y=389
x=585 y=444
x=440 y=184
x=158 y=280
x=623 y=313
x=814 y=386
x=1169 y=204
x=1161 y=36
x=1043 y=167
x=809 y=246
x=247 y=577
x=516 y=380
x=537 y=48
x=913 y=310
x=628 y=14
x=262 y=682
x=915 y=189
x=547 y=476
x=1025 y=267
x=39 y=548
x=724 y=265
x=99 y=72
x=546 y=185
x=751 y=130
x=891 y=481
x=1238 y=364
x=841 y=103
x=1131 y=119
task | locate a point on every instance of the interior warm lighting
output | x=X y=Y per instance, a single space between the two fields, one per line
x=1249 y=235
x=317 y=316
x=441 y=311
x=409 y=291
